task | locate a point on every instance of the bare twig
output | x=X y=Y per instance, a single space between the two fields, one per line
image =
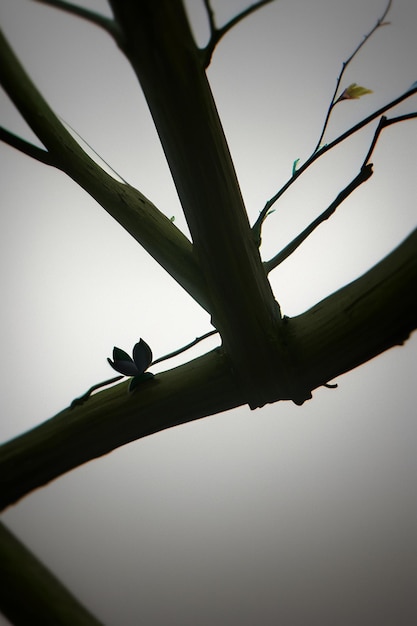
x=383 y=123
x=258 y=224
x=26 y=147
x=217 y=33
x=256 y=228
x=107 y=24
x=184 y=348
x=81 y=399
x=364 y=174
x=345 y=64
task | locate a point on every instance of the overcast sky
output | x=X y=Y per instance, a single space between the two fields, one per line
x=290 y=515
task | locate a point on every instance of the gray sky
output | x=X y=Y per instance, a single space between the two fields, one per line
x=292 y=515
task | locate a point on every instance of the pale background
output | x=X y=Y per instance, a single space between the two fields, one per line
x=290 y=515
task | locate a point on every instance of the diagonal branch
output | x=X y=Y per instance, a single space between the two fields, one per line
x=257 y=226
x=364 y=175
x=81 y=399
x=348 y=328
x=25 y=147
x=333 y=101
x=185 y=115
x=383 y=123
x=217 y=33
x=30 y=593
x=150 y=227
x=109 y=25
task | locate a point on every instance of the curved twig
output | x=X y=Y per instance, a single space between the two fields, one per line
x=257 y=226
x=184 y=348
x=217 y=33
x=109 y=25
x=364 y=175
x=345 y=64
x=81 y=399
x=383 y=123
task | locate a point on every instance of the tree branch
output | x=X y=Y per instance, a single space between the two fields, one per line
x=183 y=109
x=348 y=328
x=361 y=320
x=256 y=228
x=218 y=33
x=109 y=25
x=81 y=399
x=364 y=174
x=114 y=417
x=31 y=594
x=151 y=228
x=333 y=101
x=383 y=123
x=25 y=147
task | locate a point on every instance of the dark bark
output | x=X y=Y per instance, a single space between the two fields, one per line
x=358 y=322
x=159 y=44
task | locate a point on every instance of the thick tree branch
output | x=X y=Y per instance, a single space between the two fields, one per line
x=113 y=418
x=181 y=103
x=110 y=26
x=30 y=593
x=360 y=321
x=217 y=33
x=151 y=228
x=364 y=175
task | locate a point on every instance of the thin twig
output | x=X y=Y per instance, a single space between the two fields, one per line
x=26 y=147
x=258 y=224
x=106 y=23
x=87 y=394
x=345 y=64
x=364 y=174
x=256 y=228
x=383 y=123
x=217 y=33
x=81 y=399
x=210 y=17
x=187 y=347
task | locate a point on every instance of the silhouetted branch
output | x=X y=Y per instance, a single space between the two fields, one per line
x=217 y=33
x=383 y=123
x=379 y=308
x=256 y=228
x=26 y=147
x=184 y=348
x=149 y=226
x=30 y=593
x=364 y=175
x=345 y=64
x=105 y=383
x=109 y=25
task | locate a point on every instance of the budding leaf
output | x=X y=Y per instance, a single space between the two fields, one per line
x=294 y=166
x=353 y=92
